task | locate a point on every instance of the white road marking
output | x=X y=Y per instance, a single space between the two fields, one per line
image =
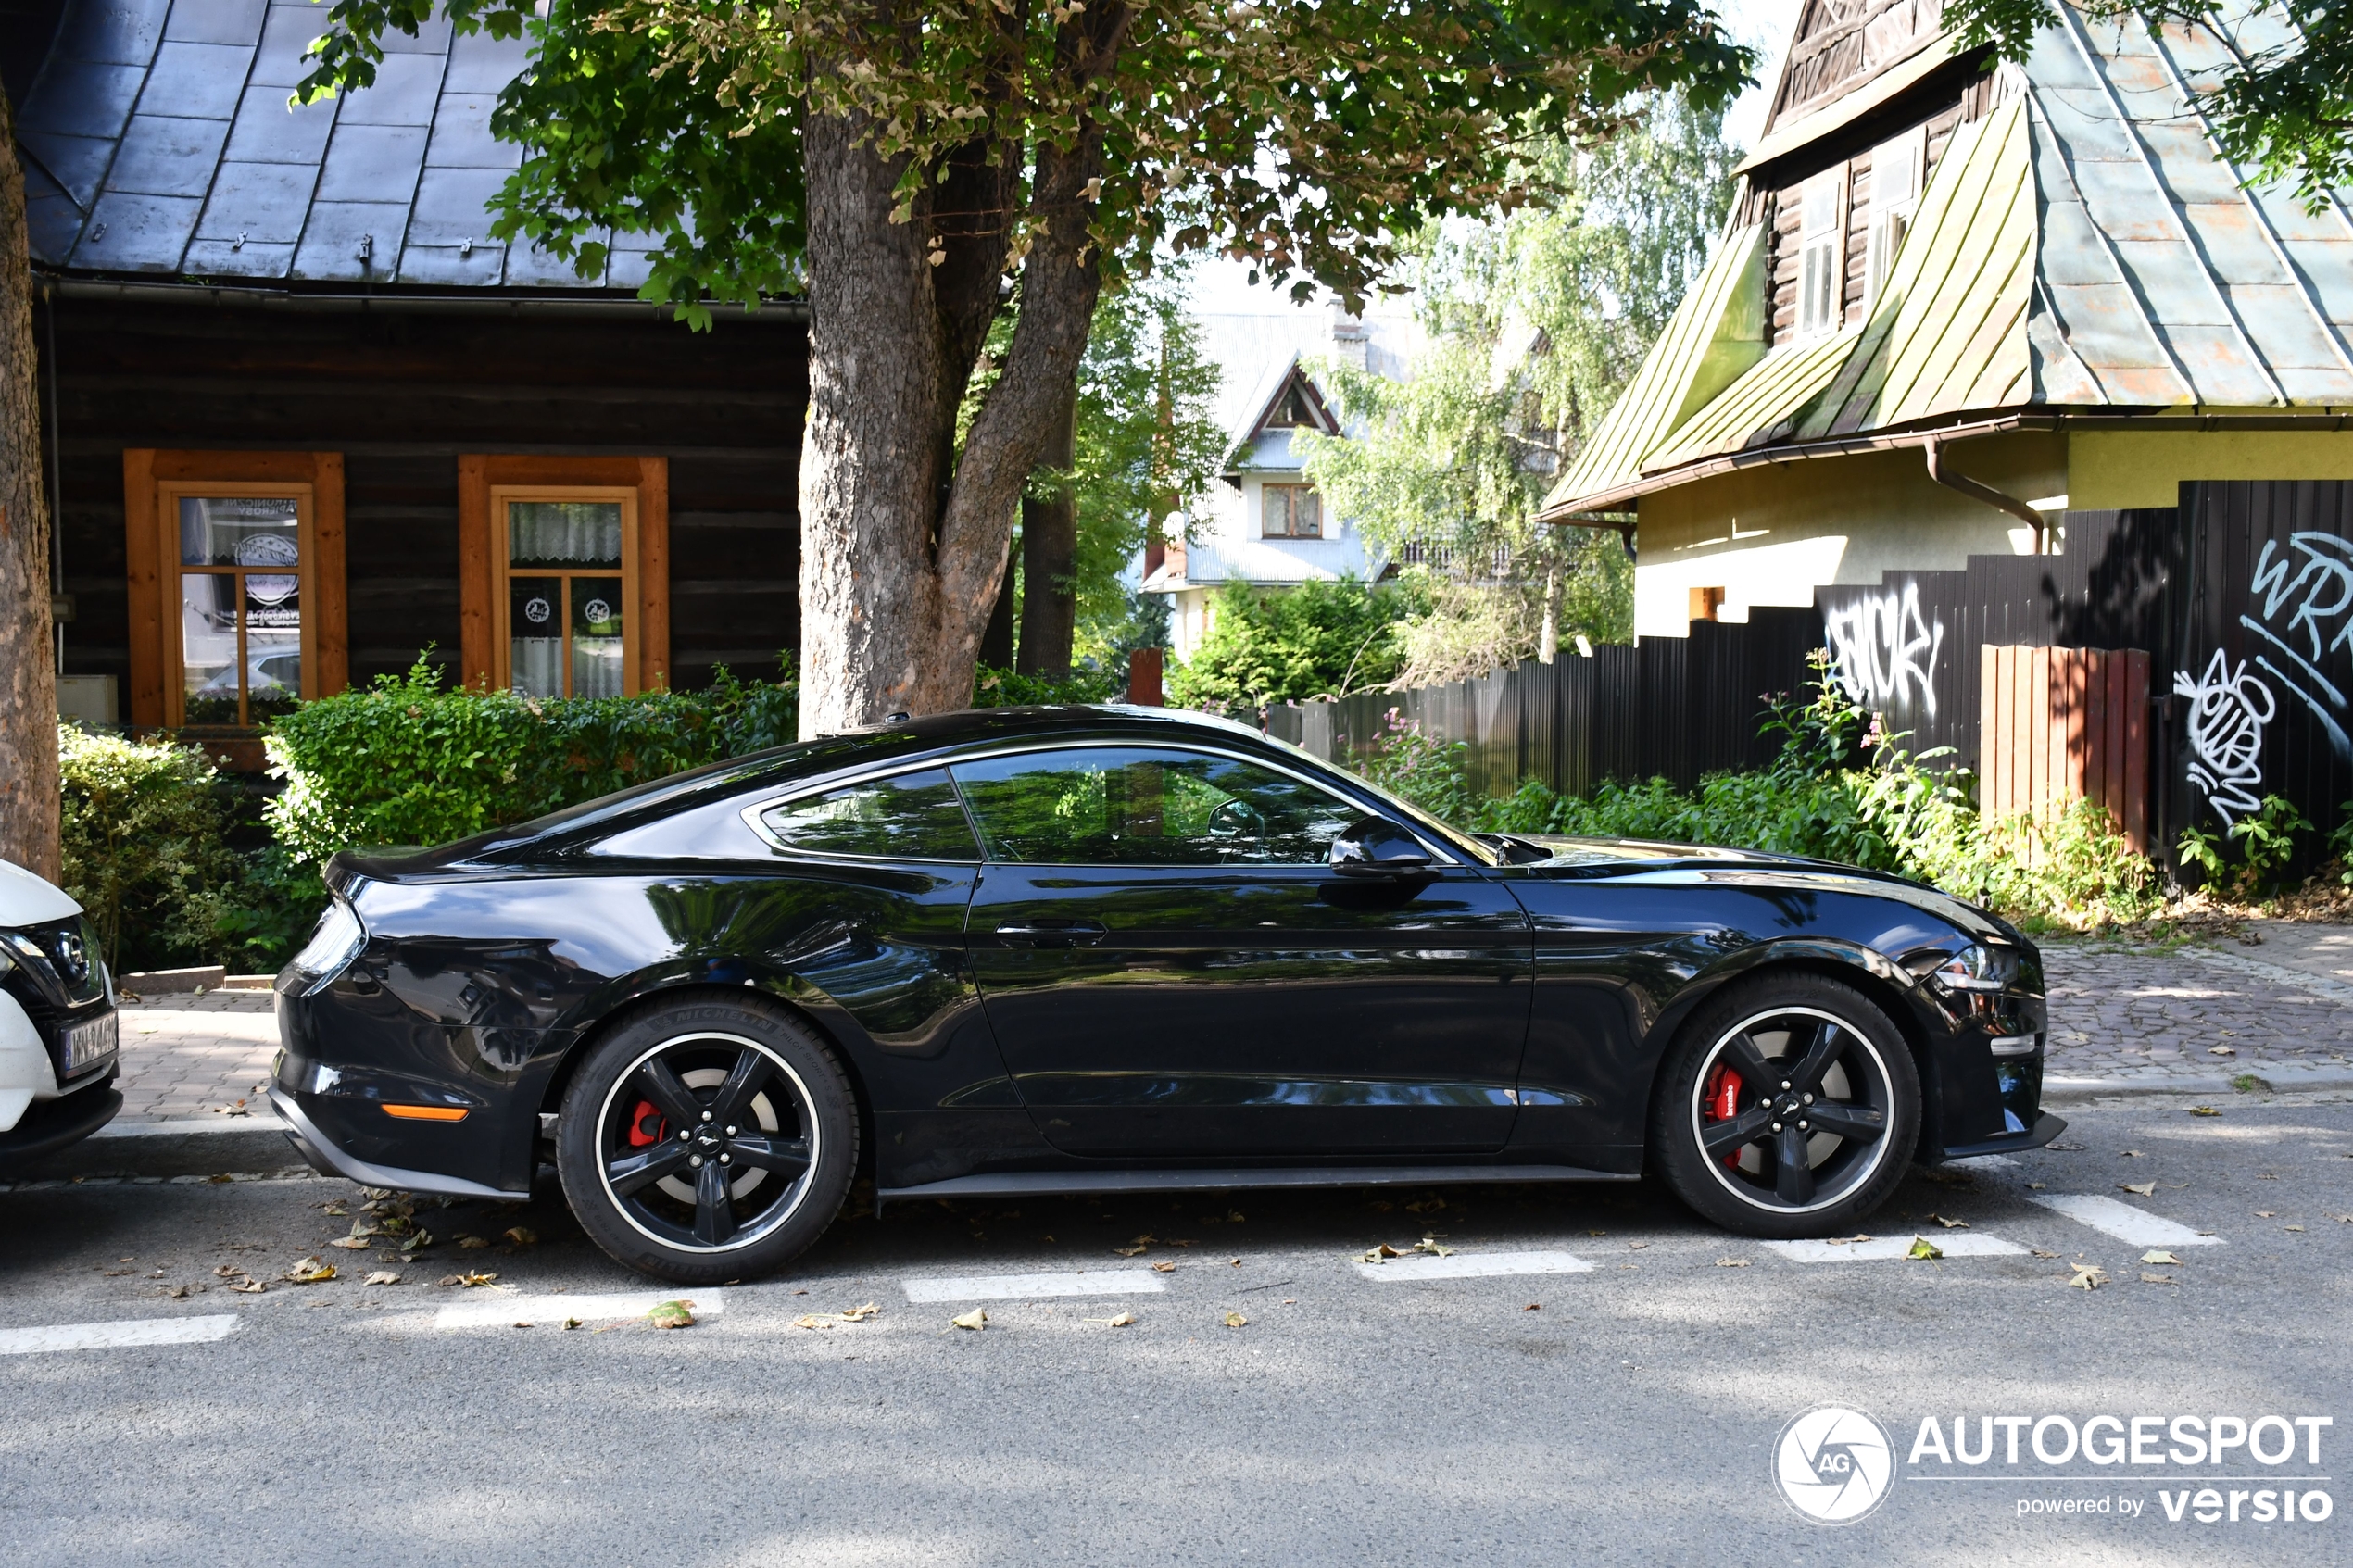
x=121 y=1334
x=1473 y=1265
x=999 y=1288
x=2122 y=1221
x=482 y=1309
x=1954 y=1244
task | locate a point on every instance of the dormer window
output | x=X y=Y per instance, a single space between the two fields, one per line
x=1820 y=295
x=1896 y=199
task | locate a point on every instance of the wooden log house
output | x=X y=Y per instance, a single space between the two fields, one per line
x=308 y=418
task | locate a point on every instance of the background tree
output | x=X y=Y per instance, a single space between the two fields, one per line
x=2284 y=113
x=1317 y=640
x=941 y=147
x=1536 y=320
x=28 y=650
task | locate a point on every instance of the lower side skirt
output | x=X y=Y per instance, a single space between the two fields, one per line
x=1039 y=1184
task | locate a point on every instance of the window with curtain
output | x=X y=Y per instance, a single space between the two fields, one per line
x=1292 y=511
x=565 y=599
x=241 y=607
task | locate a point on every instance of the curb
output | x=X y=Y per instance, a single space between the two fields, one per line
x=169 y=1148
x=2285 y=1078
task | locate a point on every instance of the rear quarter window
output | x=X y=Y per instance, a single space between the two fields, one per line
x=907 y=817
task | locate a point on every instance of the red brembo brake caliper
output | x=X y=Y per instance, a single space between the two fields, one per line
x=1721 y=1101
x=646 y=1126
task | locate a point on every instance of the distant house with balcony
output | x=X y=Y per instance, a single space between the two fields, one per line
x=1956 y=300
x=1262 y=524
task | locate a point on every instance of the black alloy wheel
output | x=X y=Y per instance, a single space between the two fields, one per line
x=1789 y=1107
x=708 y=1140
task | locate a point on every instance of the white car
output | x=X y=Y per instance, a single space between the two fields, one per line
x=60 y=1036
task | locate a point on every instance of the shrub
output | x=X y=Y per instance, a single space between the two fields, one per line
x=144 y=825
x=1320 y=639
x=1007 y=688
x=409 y=761
x=1424 y=769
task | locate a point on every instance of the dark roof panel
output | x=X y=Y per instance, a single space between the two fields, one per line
x=267 y=131
x=234 y=21
x=199 y=79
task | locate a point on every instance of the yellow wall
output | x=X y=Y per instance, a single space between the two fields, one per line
x=1770 y=535
x=2113 y=469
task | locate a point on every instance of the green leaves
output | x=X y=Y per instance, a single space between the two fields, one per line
x=1320 y=639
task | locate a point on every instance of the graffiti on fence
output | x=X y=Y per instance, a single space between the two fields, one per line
x=1884 y=652
x=2320 y=596
x=2228 y=711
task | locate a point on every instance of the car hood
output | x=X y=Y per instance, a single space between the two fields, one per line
x=1647 y=860
x=25 y=899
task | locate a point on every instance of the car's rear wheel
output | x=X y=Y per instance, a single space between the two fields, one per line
x=707 y=1141
x=1789 y=1107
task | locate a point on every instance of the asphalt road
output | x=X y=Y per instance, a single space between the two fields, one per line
x=1627 y=1411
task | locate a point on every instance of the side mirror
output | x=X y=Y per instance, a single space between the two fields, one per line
x=1377 y=846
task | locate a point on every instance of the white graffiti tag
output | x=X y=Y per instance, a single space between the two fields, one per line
x=2228 y=711
x=2322 y=595
x=1883 y=649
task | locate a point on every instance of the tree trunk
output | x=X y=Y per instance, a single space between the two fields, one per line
x=902 y=546
x=1049 y=558
x=1548 y=641
x=28 y=653
x=997 y=640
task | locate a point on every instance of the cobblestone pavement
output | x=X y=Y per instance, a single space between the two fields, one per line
x=2121 y=1016
x=191 y=1058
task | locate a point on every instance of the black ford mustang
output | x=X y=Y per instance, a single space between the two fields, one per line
x=1079 y=949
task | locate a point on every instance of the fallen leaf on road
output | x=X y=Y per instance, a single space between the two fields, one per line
x=1950 y=1225
x=2221 y=1050
x=672 y=1314
x=336 y=1209
x=1432 y=1246
x=2088 y=1277
x=470 y=1243
x=1234 y=1319
x=520 y=1235
x=1428 y=1206
x=860 y=1314
x=1234 y=1217
x=1923 y=1248
x=2283 y=1228
x=2144 y=1190
x=813 y=1320
x=1124 y=1319
x=471 y=1280
x=571 y=1323
x=976 y=1320
x=2158 y=1255
x=417 y=1242
x=1236 y=1262
x=1380 y=1254
x=1136 y=1251
x=1531 y=1307
x=312 y=1271
x=350 y=1243
x=2267 y=1213
x=2040 y=1253
x=180 y=1292
x=2203 y=1110
x=1732 y=1263
x=2131 y=1154
x=2158 y=1279
x=2068 y=1147
x=1845 y=1241
x=382 y=1276
x=1597 y=1232
x=1163 y=1268
x=1636 y=1246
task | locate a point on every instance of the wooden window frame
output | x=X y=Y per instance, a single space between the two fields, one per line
x=486 y=481
x=153 y=482
x=1892 y=220
x=1830 y=240
x=1290 y=514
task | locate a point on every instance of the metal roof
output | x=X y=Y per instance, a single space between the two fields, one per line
x=159 y=141
x=2086 y=245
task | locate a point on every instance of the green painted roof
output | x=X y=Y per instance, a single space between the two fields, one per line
x=1714 y=334
x=1762 y=406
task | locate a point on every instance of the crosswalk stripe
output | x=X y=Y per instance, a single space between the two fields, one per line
x=1960 y=1244
x=999 y=1288
x=121 y=1334
x=2122 y=1220
x=1473 y=1265
x=481 y=1310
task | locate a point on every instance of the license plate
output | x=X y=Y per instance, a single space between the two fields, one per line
x=91 y=1042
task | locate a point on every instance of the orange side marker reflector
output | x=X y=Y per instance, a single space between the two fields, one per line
x=427 y=1112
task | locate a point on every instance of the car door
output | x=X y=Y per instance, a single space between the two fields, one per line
x=1172 y=969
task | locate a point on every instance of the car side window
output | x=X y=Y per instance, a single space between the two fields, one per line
x=906 y=817
x=1142 y=806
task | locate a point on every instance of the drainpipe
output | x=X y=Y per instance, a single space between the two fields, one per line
x=1985 y=492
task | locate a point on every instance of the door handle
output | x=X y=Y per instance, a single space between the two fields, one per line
x=1052 y=933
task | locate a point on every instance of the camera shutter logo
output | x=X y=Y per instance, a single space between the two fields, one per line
x=1835 y=1466
x=536 y=610
x=597 y=611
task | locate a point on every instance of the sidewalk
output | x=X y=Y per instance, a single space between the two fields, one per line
x=197 y=1057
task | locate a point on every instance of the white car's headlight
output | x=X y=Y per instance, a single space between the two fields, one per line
x=337 y=941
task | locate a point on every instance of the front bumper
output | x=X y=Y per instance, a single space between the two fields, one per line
x=48 y=1125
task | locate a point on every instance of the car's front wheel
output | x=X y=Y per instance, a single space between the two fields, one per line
x=707 y=1140
x=1789 y=1107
